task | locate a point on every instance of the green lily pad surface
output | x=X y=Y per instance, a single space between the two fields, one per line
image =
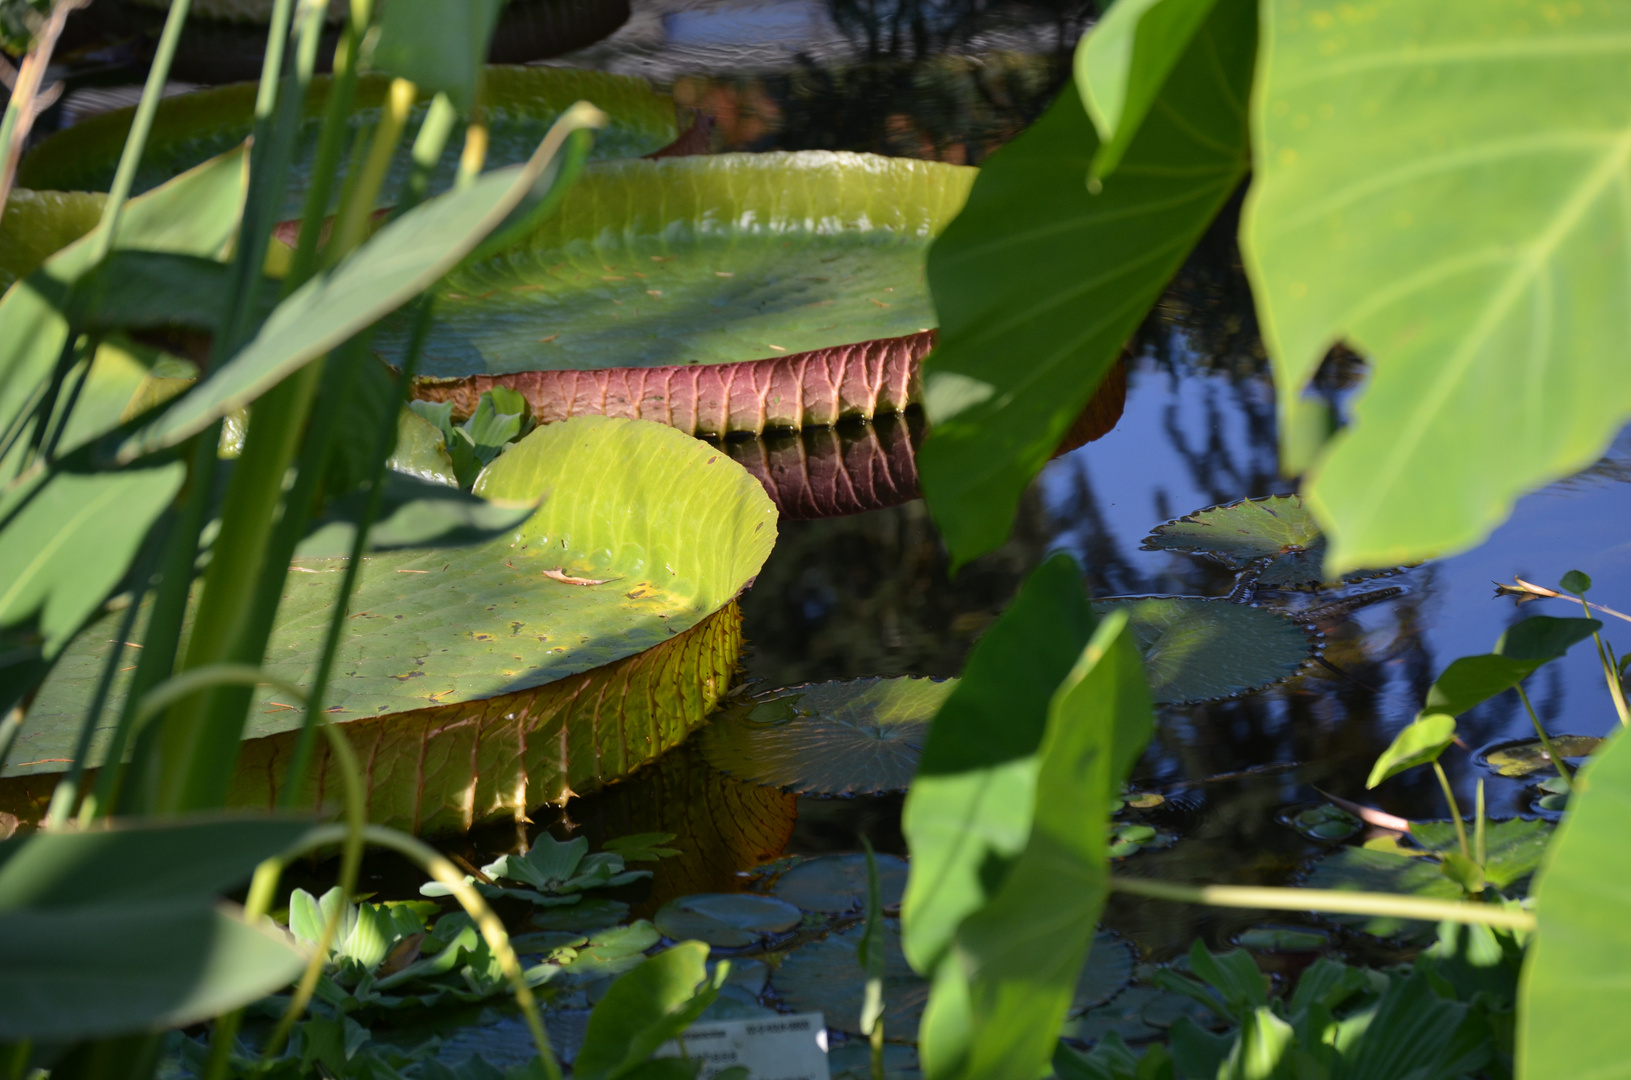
x=1527 y=757
x=726 y=920
x=839 y=738
x=1276 y=527
x=831 y=884
x=1201 y=650
x=522 y=103
x=37 y=224
x=825 y=977
x=698 y=261
x=579 y=647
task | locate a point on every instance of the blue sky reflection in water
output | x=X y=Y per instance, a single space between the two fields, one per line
x=1193 y=436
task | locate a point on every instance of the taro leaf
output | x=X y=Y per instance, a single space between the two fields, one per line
x=34 y=225
x=68 y=540
x=436 y=46
x=979 y=763
x=1277 y=527
x=642 y=1010
x=726 y=920
x=1573 y=983
x=1527 y=757
x=522 y=103
x=195 y=214
x=138 y=864
x=96 y=971
x=1122 y=62
x=703 y=261
x=1039 y=283
x=826 y=977
x=1543 y=638
x=1419 y=743
x=1023 y=952
x=1201 y=650
x=393 y=266
x=1440 y=186
x=647 y=535
x=838 y=883
x=839 y=738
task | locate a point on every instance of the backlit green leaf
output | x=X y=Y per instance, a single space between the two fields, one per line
x=1419 y=743
x=1024 y=950
x=1573 y=986
x=980 y=761
x=642 y=1010
x=1440 y=186
x=1039 y=283
x=1122 y=63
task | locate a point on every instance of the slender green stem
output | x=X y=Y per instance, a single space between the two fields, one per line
x=356 y=813
x=141 y=124
x=262 y=890
x=24 y=103
x=1480 y=836
x=359 y=206
x=10 y=728
x=1332 y=901
x=1605 y=656
x=1455 y=809
x=492 y=929
x=65 y=796
x=1545 y=740
x=162 y=641
x=330 y=146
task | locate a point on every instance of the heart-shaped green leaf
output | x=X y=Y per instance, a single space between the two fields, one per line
x=1419 y=743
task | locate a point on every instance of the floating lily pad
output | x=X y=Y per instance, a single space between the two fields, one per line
x=839 y=738
x=476 y=683
x=654 y=273
x=37 y=224
x=1323 y=822
x=1514 y=850
x=1527 y=756
x=825 y=977
x=522 y=103
x=1276 y=527
x=1282 y=939
x=726 y=920
x=1202 y=650
x=838 y=883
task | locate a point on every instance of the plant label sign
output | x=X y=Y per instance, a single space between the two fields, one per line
x=770 y=1048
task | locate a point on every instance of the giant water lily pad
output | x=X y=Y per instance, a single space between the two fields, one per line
x=478 y=682
x=840 y=738
x=726 y=920
x=1277 y=528
x=522 y=103
x=833 y=884
x=654 y=274
x=1201 y=650
x=826 y=977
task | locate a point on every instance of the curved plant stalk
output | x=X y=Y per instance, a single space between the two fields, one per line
x=872 y=961
x=356 y=813
x=1455 y=807
x=1332 y=901
x=26 y=102
x=1480 y=835
x=492 y=930
x=262 y=890
x=1611 y=669
x=1545 y=740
